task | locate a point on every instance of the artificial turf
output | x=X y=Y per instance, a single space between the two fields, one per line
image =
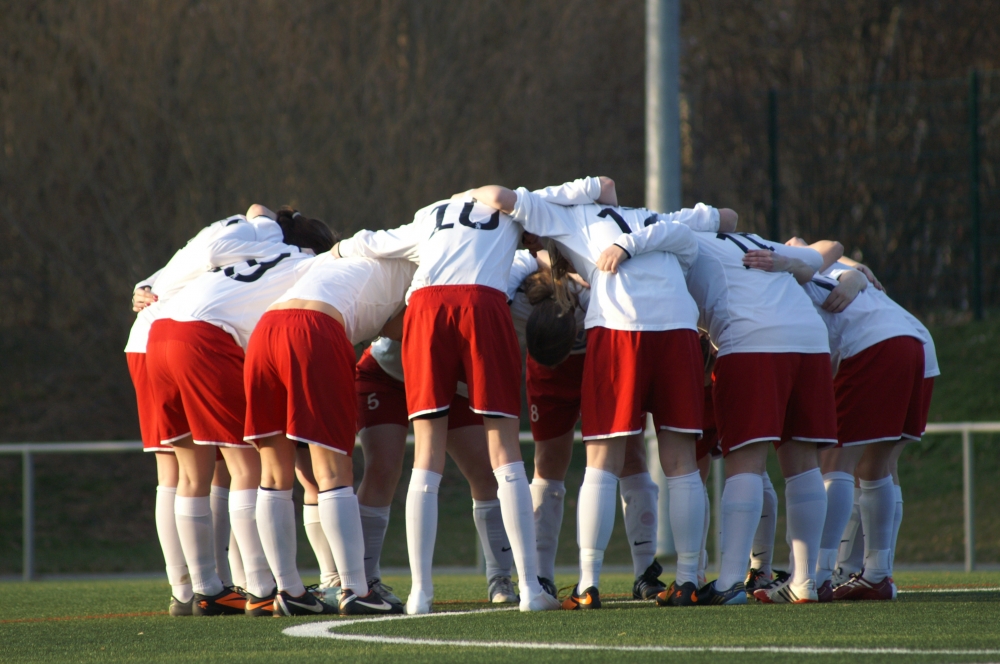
x=126 y=621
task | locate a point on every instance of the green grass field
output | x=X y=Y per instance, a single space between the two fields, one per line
x=939 y=617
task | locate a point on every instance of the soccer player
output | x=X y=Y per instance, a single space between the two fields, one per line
x=382 y=426
x=879 y=387
x=195 y=367
x=772 y=385
x=642 y=355
x=221 y=243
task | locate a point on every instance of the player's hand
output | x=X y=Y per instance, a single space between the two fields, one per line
x=611 y=258
x=766 y=260
x=846 y=291
x=865 y=270
x=573 y=276
x=142 y=298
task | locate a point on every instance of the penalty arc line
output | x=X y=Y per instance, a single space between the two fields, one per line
x=324 y=630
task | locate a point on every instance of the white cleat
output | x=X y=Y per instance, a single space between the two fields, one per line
x=418 y=603
x=541 y=602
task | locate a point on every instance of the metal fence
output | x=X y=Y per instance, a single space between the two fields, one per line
x=29 y=450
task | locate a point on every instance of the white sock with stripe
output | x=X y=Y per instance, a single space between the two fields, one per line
x=839 y=503
x=170 y=544
x=421 y=528
x=519 y=521
x=338 y=510
x=548 y=498
x=219 y=497
x=276 y=523
x=742 y=501
x=194 y=529
x=594 y=523
x=805 y=507
x=640 y=497
x=243 y=517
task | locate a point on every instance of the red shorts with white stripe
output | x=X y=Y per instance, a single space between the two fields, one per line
x=299 y=380
x=554 y=396
x=382 y=399
x=774 y=397
x=455 y=331
x=627 y=373
x=709 y=441
x=195 y=371
x=880 y=393
x=146 y=403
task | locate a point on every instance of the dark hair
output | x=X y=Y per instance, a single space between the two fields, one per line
x=301 y=231
x=551 y=327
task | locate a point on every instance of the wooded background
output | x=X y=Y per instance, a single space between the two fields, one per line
x=127 y=126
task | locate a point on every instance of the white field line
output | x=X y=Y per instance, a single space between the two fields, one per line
x=325 y=630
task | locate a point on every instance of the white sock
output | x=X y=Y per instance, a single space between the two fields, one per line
x=328 y=577
x=878 y=509
x=742 y=501
x=519 y=522
x=338 y=510
x=194 y=529
x=243 y=517
x=640 y=496
x=594 y=522
x=839 y=503
x=170 y=543
x=219 y=498
x=492 y=537
x=762 y=549
x=851 y=556
x=896 y=521
x=236 y=562
x=374 y=524
x=805 y=506
x=703 y=558
x=276 y=523
x=547 y=498
x=687 y=522
x=421 y=528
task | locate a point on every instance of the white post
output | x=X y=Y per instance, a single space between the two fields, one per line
x=28 y=519
x=967 y=501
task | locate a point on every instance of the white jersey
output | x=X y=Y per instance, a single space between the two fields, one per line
x=221 y=243
x=234 y=298
x=871 y=318
x=458 y=241
x=366 y=291
x=648 y=292
x=749 y=310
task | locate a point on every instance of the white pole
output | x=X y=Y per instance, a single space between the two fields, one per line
x=663 y=169
x=967 y=501
x=28 y=519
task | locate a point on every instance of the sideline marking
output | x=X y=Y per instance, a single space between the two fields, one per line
x=324 y=630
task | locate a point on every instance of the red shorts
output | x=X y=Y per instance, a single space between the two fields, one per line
x=627 y=373
x=146 y=402
x=709 y=441
x=554 y=396
x=299 y=380
x=880 y=393
x=455 y=331
x=382 y=399
x=774 y=397
x=195 y=371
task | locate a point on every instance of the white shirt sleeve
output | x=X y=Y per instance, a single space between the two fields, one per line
x=810 y=257
x=402 y=242
x=148 y=282
x=523 y=265
x=577 y=192
x=670 y=236
x=541 y=217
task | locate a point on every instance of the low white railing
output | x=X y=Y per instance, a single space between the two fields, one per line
x=28 y=450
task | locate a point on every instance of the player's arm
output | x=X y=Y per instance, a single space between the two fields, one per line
x=582 y=192
x=523 y=265
x=496 y=197
x=402 y=242
x=801 y=262
x=849 y=286
x=671 y=232
x=142 y=293
x=863 y=269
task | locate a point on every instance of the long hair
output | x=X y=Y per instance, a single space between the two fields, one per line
x=301 y=231
x=551 y=327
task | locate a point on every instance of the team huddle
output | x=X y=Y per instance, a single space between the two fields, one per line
x=242 y=356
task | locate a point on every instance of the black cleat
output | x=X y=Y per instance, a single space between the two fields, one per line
x=588 y=599
x=371 y=604
x=649 y=585
x=708 y=595
x=260 y=606
x=304 y=605
x=548 y=586
x=685 y=594
x=228 y=602
x=179 y=608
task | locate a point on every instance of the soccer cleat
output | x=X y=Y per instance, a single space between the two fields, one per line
x=709 y=595
x=649 y=585
x=685 y=594
x=841 y=576
x=783 y=593
x=227 y=602
x=548 y=586
x=418 y=603
x=860 y=588
x=588 y=599
x=825 y=592
x=763 y=585
x=328 y=595
x=543 y=601
x=385 y=591
x=371 y=604
x=260 y=606
x=179 y=608
x=501 y=590
x=756 y=579
x=306 y=604
x=895 y=590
